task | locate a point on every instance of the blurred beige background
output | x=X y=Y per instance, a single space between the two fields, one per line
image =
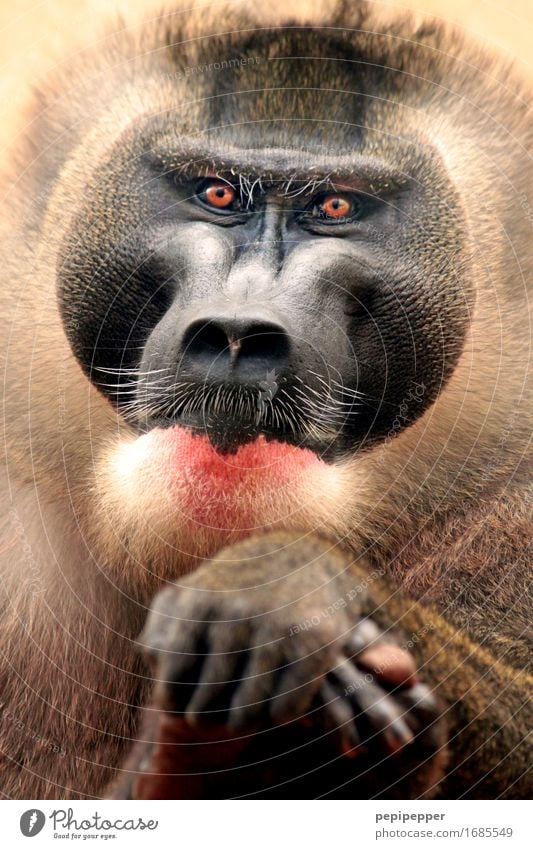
x=33 y=34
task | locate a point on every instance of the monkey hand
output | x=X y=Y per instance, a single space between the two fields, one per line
x=271 y=649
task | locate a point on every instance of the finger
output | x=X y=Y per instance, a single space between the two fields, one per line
x=220 y=674
x=179 y=670
x=251 y=700
x=338 y=719
x=365 y=634
x=420 y=703
x=299 y=681
x=423 y=713
x=372 y=705
x=160 y=622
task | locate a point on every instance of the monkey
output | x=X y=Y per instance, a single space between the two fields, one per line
x=266 y=414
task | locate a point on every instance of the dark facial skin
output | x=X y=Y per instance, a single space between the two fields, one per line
x=309 y=297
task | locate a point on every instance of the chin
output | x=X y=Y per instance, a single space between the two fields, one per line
x=169 y=498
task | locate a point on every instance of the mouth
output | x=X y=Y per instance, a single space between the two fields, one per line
x=231 y=416
x=228 y=458
x=227 y=433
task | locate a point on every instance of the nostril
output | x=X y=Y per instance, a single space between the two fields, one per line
x=264 y=340
x=207 y=338
x=242 y=341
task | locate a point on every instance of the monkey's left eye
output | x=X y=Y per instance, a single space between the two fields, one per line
x=335 y=207
x=217 y=195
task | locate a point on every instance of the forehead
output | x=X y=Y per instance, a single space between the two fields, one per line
x=329 y=87
x=319 y=103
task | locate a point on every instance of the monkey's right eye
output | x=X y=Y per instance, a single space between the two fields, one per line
x=218 y=195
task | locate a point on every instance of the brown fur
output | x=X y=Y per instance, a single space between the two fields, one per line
x=443 y=506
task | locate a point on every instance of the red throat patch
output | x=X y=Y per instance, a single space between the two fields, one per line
x=223 y=490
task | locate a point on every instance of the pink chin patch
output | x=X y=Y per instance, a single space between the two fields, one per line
x=191 y=453
x=225 y=490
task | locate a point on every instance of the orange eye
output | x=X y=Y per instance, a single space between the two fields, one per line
x=335 y=206
x=219 y=194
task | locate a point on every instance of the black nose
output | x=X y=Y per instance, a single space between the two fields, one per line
x=221 y=348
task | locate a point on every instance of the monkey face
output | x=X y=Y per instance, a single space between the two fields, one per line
x=298 y=288
x=240 y=299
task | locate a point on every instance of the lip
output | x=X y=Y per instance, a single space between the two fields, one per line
x=227 y=435
x=187 y=458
